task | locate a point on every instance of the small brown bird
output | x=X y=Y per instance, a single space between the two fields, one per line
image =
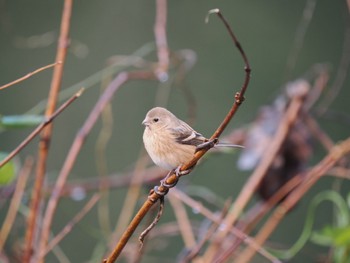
x=171 y=142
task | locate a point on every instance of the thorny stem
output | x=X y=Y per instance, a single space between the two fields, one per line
x=172 y=177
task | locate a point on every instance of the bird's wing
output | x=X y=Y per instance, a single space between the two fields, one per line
x=184 y=134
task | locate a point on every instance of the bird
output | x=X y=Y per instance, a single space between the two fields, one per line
x=171 y=142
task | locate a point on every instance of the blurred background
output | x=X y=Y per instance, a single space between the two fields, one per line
x=103 y=31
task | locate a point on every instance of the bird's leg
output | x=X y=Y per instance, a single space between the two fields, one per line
x=178 y=173
x=207 y=145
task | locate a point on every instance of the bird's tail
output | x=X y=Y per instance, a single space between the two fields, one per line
x=230 y=145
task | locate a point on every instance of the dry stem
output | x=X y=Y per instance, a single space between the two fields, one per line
x=161 y=40
x=29 y=75
x=214 y=218
x=69 y=226
x=183 y=222
x=40 y=128
x=76 y=147
x=46 y=134
x=336 y=153
x=15 y=201
x=254 y=180
x=172 y=178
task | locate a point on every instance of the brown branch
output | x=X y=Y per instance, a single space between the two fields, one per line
x=172 y=178
x=262 y=211
x=193 y=253
x=46 y=134
x=15 y=201
x=340 y=172
x=254 y=180
x=76 y=147
x=29 y=75
x=118 y=180
x=183 y=222
x=216 y=219
x=132 y=196
x=78 y=217
x=40 y=128
x=161 y=40
x=336 y=154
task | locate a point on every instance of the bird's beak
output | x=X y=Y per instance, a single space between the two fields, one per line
x=145 y=122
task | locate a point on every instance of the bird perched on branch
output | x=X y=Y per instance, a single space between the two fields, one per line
x=171 y=142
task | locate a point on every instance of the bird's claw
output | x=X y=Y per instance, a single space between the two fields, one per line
x=207 y=145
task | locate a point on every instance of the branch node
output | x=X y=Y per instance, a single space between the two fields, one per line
x=159 y=190
x=239 y=98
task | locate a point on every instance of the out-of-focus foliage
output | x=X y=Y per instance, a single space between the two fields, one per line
x=8 y=171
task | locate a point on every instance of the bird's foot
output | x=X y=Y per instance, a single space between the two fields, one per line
x=207 y=145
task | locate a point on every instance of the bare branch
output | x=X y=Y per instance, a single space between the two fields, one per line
x=76 y=219
x=43 y=150
x=15 y=201
x=29 y=75
x=335 y=154
x=78 y=143
x=172 y=178
x=40 y=128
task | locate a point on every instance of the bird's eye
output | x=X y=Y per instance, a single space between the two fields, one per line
x=155 y=119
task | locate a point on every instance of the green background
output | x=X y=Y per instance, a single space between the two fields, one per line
x=102 y=29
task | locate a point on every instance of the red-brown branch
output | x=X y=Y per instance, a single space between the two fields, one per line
x=46 y=134
x=335 y=154
x=76 y=147
x=27 y=76
x=172 y=178
x=38 y=129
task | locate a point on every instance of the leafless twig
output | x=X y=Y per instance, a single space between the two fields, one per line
x=29 y=75
x=40 y=128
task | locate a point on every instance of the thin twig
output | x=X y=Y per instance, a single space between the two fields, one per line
x=263 y=210
x=247 y=191
x=132 y=196
x=209 y=233
x=154 y=222
x=317 y=132
x=336 y=153
x=300 y=36
x=172 y=178
x=183 y=221
x=70 y=225
x=40 y=128
x=78 y=143
x=15 y=201
x=149 y=175
x=340 y=172
x=161 y=40
x=29 y=75
x=45 y=137
x=214 y=218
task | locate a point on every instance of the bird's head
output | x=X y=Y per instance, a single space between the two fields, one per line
x=157 y=118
